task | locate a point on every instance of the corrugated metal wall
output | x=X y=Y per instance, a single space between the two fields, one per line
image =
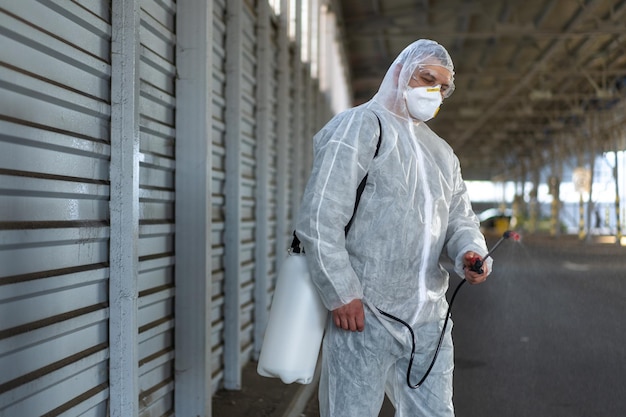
x=266 y=172
x=155 y=280
x=89 y=194
x=54 y=118
x=218 y=195
x=240 y=67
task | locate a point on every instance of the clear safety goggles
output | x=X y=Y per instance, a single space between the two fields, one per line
x=426 y=77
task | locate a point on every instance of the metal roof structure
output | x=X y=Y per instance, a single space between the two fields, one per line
x=536 y=80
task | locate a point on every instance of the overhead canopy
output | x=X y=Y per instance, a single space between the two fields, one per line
x=534 y=78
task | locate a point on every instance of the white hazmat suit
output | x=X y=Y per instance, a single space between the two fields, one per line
x=413 y=208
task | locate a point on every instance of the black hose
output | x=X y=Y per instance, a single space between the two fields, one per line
x=476 y=266
x=443 y=332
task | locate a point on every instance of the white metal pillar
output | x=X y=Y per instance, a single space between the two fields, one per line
x=618 y=224
x=233 y=209
x=555 y=186
x=193 y=208
x=124 y=210
x=263 y=116
x=591 y=147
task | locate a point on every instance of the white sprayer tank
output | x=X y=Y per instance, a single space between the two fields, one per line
x=295 y=327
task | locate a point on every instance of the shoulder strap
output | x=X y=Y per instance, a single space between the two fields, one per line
x=361 y=187
x=295 y=243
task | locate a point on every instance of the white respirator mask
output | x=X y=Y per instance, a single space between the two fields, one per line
x=423 y=102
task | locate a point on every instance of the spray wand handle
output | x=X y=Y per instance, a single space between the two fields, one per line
x=477 y=263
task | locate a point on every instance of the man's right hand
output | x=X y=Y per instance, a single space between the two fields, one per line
x=350 y=316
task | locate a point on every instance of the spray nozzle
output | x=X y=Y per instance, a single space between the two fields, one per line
x=511 y=234
x=477 y=263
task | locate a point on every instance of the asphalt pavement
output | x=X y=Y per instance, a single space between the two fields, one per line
x=545 y=336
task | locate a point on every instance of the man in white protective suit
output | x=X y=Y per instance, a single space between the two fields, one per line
x=414 y=207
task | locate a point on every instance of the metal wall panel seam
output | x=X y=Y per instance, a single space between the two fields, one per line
x=218 y=173
x=36 y=335
x=80 y=15
x=84 y=72
x=32 y=87
x=157 y=95
x=62 y=142
x=44 y=104
x=157 y=362
x=54 y=353
x=82 y=35
x=157 y=343
x=232 y=267
x=22 y=315
x=36 y=393
x=148 y=265
x=54 y=186
x=124 y=207
x=193 y=324
x=154 y=375
x=162 y=12
x=156 y=330
x=21 y=158
x=94 y=405
x=157 y=399
x=156 y=27
x=157 y=62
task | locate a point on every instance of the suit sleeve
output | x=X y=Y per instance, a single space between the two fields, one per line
x=343 y=151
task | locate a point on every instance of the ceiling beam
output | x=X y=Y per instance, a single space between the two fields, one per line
x=402 y=33
x=549 y=53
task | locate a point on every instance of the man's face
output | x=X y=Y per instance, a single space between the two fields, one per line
x=431 y=75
